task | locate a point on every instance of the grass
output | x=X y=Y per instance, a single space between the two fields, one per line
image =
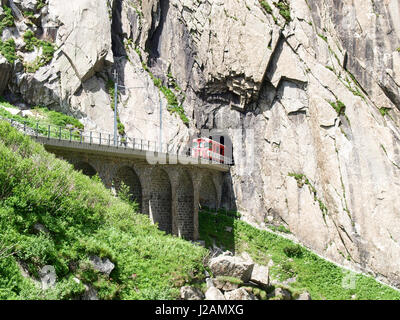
x=266 y=6
x=339 y=107
x=83 y=218
x=284 y=9
x=323 y=279
x=42 y=118
x=384 y=111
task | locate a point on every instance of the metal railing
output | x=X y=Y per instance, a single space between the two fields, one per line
x=106 y=139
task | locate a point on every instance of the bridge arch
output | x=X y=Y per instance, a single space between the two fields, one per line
x=184 y=210
x=128 y=176
x=208 y=196
x=86 y=168
x=160 y=200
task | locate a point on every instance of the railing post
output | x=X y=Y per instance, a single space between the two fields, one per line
x=25 y=127
x=37 y=129
x=134 y=143
x=90 y=137
x=141 y=144
x=59 y=136
x=148 y=145
x=109 y=139
x=80 y=136
x=48 y=132
x=100 y=138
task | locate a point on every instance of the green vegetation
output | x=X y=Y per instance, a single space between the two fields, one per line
x=281 y=228
x=384 y=111
x=83 y=218
x=40 y=4
x=339 y=107
x=111 y=91
x=303 y=180
x=319 y=277
x=46 y=117
x=7 y=49
x=284 y=9
x=47 y=51
x=266 y=6
x=323 y=37
x=7 y=21
x=173 y=105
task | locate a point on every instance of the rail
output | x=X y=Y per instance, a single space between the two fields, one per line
x=105 y=139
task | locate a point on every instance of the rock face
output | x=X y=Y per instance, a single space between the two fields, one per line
x=309 y=102
x=231 y=266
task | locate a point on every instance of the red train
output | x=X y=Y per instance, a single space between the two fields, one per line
x=208 y=149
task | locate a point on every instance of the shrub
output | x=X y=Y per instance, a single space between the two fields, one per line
x=293 y=251
x=7 y=49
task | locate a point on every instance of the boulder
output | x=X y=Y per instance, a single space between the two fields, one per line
x=260 y=275
x=304 y=296
x=214 y=294
x=232 y=266
x=39 y=228
x=209 y=282
x=190 y=293
x=225 y=285
x=48 y=277
x=104 y=265
x=239 y=294
x=282 y=294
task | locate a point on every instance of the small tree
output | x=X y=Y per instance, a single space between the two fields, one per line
x=124 y=193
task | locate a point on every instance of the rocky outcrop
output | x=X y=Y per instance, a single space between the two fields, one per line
x=224 y=265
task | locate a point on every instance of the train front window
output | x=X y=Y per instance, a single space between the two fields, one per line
x=194 y=144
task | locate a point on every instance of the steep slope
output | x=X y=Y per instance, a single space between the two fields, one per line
x=54 y=217
x=307 y=91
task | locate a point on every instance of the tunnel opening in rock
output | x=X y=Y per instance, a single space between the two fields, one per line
x=160 y=200
x=185 y=207
x=126 y=175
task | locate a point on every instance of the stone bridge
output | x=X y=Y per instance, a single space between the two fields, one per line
x=169 y=191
